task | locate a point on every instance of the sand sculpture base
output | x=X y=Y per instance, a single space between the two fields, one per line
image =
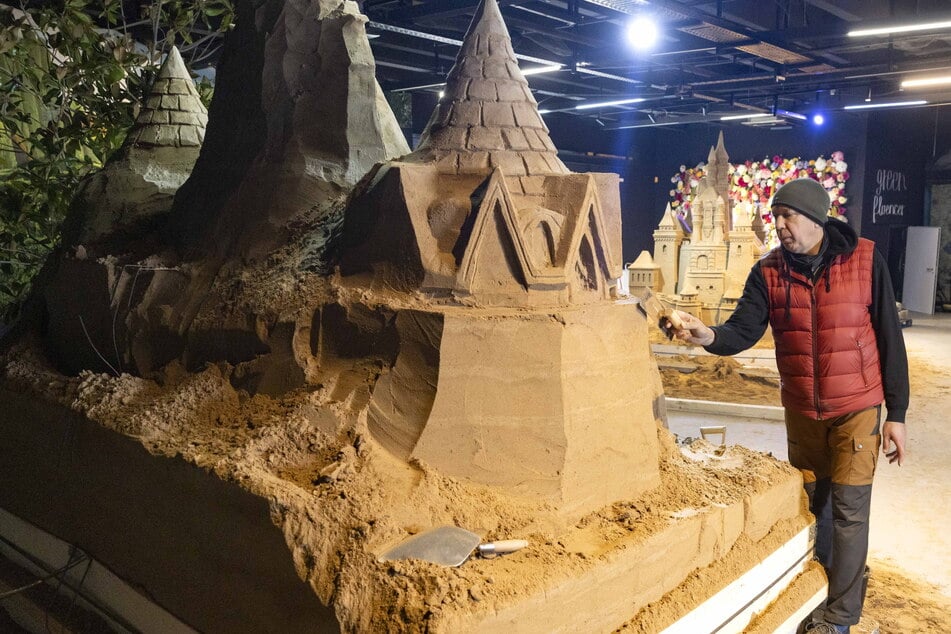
x=191 y=492
x=559 y=405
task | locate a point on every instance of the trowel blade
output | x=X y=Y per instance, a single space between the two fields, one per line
x=446 y=545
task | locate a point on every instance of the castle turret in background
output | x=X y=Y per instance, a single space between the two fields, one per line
x=668 y=237
x=718 y=173
x=745 y=248
x=643 y=274
x=706 y=254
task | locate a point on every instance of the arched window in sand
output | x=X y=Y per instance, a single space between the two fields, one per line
x=542 y=230
x=585 y=266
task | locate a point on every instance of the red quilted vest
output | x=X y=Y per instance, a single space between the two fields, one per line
x=826 y=349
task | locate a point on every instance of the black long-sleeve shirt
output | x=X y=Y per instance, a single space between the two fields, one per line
x=748 y=323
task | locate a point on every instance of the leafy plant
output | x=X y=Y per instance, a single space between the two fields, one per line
x=72 y=75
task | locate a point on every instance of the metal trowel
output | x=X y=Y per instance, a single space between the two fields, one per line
x=449 y=546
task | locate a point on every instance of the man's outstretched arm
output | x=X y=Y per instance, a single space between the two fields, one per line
x=741 y=331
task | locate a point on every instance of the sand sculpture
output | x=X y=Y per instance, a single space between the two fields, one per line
x=269 y=172
x=465 y=363
x=484 y=214
x=702 y=272
x=135 y=190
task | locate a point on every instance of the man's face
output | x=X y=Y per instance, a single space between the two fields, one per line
x=797 y=232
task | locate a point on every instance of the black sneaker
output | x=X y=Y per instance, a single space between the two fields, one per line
x=824 y=627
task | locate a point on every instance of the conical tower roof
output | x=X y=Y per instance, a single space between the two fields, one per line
x=643 y=261
x=667 y=220
x=173 y=114
x=720 y=149
x=487 y=116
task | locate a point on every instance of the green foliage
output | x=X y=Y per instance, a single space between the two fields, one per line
x=71 y=80
x=401 y=103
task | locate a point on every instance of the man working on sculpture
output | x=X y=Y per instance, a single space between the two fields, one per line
x=827 y=296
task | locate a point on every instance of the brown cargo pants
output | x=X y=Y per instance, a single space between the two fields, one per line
x=837 y=458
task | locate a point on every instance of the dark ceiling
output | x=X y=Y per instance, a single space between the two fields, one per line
x=713 y=58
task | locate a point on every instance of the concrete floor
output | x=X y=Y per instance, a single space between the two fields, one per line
x=911 y=505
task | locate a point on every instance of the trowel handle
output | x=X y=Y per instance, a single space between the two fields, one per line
x=675 y=320
x=502 y=546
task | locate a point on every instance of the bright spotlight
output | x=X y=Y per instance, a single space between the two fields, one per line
x=818 y=119
x=642 y=33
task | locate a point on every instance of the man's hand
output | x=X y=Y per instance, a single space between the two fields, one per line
x=690 y=329
x=893 y=441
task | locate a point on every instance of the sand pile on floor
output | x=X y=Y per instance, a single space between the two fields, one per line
x=711 y=378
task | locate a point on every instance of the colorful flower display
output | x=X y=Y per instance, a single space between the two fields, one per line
x=754 y=182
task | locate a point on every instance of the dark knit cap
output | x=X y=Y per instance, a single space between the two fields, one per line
x=806 y=196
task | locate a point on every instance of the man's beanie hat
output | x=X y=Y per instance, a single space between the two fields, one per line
x=806 y=196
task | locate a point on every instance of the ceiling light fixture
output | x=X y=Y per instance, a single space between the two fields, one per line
x=891 y=104
x=538 y=70
x=642 y=33
x=790 y=114
x=751 y=115
x=928 y=81
x=605 y=104
x=904 y=28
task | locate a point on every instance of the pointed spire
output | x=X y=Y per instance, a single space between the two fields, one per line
x=643 y=261
x=721 y=149
x=667 y=221
x=173 y=114
x=487 y=117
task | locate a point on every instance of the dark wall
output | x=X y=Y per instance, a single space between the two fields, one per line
x=900 y=145
x=938 y=119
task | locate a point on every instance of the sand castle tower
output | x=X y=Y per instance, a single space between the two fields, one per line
x=514 y=366
x=706 y=255
x=643 y=274
x=137 y=187
x=668 y=237
x=745 y=248
x=718 y=173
